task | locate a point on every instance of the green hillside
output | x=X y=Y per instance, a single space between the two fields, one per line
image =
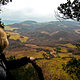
x=53 y=44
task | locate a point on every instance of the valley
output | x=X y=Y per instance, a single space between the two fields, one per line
x=51 y=43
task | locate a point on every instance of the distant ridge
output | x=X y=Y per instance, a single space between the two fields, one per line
x=30 y=22
x=8 y=22
x=48 y=33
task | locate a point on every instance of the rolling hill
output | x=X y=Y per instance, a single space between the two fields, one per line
x=43 y=41
x=48 y=33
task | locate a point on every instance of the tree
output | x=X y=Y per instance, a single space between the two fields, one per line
x=4 y=2
x=69 y=10
x=73 y=68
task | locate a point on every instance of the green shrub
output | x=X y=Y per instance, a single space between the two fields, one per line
x=23 y=73
x=11 y=58
x=73 y=68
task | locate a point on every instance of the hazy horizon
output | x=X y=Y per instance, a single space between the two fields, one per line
x=36 y=10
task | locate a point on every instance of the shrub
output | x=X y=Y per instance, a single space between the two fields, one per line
x=73 y=68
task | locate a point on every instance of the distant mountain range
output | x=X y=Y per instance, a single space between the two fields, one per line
x=8 y=22
x=49 y=33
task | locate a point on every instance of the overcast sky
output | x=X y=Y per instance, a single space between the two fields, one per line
x=37 y=10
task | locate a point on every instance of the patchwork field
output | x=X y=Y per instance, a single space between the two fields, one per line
x=52 y=66
x=52 y=44
x=17 y=36
x=10 y=28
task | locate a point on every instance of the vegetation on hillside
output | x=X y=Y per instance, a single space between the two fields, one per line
x=63 y=67
x=17 y=36
x=10 y=28
x=49 y=58
x=72 y=67
x=52 y=68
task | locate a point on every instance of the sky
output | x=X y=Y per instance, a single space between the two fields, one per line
x=36 y=10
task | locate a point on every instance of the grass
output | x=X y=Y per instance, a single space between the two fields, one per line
x=30 y=53
x=70 y=45
x=17 y=36
x=52 y=69
x=63 y=50
x=77 y=56
x=10 y=28
x=23 y=53
x=65 y=54
x=67 y=45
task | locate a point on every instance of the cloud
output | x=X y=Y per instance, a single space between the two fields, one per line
x=30 y=9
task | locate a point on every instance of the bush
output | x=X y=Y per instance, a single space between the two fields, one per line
x=11 y=58
x=23 y=73
x=73 y=68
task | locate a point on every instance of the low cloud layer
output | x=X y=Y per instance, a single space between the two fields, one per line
x=38 y=10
